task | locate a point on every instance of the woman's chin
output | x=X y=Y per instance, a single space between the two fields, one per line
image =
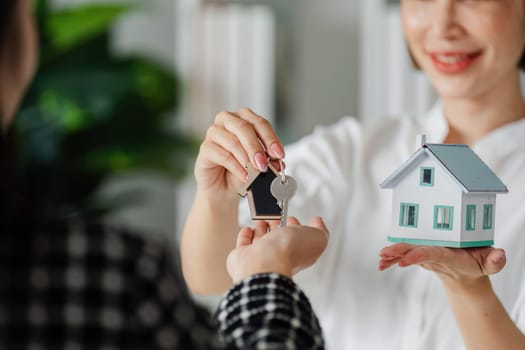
x=456 y=90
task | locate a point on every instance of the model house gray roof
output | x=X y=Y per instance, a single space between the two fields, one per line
x=470 y=172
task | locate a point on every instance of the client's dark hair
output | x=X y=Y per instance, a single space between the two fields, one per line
x=7 y=15
x=13 y=212
x=7 y=26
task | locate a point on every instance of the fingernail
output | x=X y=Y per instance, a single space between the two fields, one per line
x=499 y=259
x=260 y=160
x=277 y=150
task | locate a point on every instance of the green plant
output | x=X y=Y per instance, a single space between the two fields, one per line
x=89 y=115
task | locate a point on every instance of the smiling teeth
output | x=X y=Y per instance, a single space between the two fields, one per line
x=451 y=59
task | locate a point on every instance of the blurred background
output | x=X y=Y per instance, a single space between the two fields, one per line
x=127 y=89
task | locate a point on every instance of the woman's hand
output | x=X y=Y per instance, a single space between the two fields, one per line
x=481 y=317
x=451 y=264
x=285 y=250
x=234 y=140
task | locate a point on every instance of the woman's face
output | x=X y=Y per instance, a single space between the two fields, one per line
x=466 y=47
x=18 y=61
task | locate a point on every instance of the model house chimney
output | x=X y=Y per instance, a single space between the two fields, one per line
x=421 y=139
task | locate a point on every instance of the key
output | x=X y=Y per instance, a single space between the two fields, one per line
x=283 y=191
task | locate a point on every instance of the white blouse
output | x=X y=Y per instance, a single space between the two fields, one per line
x=338 y=169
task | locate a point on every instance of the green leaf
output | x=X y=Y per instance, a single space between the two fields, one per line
x=90 y=115
x=40 y=8
x=67 y=28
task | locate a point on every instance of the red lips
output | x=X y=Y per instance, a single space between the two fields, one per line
x=453 y=62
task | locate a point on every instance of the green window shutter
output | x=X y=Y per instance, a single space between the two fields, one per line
x=408 y=213
x=426 y=176
x=488 y=214
x=443 y=217
x=470 y=224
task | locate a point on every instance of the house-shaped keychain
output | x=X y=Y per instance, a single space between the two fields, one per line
x=263 y=205
x=444 y=195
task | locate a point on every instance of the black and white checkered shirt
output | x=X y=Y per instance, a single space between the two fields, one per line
x=78 y=285
x=268 y=311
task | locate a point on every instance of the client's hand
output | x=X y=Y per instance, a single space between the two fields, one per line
x=268 y=248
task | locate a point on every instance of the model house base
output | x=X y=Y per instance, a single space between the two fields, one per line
x=451 y=244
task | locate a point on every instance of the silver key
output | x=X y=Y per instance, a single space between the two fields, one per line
x=283 y=191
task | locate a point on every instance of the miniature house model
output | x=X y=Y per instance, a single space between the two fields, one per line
x=263 y=205
x=444 y=195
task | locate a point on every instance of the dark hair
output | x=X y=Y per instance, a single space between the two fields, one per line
x=6 y=13
x=16 y=224
x=13 y=211
x=7 y=21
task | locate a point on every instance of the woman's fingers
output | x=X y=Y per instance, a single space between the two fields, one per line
x=423 y=254
x=452 y=261
x=247 y=137
x=489 y=259
x=229 y=142
x=216 y=155
x=265 y=131
x=395 y=250
x=495 y=261
x=386 y=263
x=277 y=164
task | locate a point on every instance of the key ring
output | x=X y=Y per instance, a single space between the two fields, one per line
x=282 y=173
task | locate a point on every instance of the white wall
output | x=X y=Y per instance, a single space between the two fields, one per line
x=317 y=55
x=326 y=63
x=388 y=83
x=233 y=62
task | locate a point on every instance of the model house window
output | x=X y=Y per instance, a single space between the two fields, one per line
x=426 y=177
x=471 y=217
x=443 y=217
x=408 y=215
x=487 y=216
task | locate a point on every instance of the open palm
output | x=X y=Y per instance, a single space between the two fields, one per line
x=464 y=263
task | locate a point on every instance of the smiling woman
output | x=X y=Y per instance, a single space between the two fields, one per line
x=470 y=51
x=467 y=48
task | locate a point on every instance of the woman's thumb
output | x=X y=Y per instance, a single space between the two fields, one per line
x=495 y=261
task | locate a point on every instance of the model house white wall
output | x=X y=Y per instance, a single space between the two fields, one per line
x=444 y=192
x=480 y=231
x=469 y=222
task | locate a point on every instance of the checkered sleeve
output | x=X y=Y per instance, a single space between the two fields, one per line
x=268 y=311
x=166 y=314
